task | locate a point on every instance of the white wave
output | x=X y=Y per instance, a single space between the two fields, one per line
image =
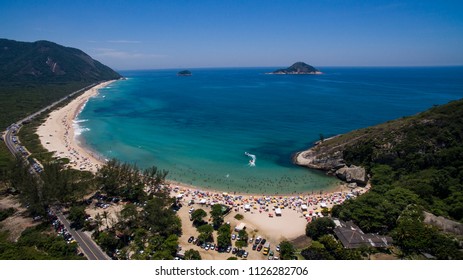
x=80 y=121
x=78 y=130
x=252 y=161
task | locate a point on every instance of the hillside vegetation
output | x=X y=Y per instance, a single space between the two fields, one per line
x=414 y=162
x=44 y=62
x=34 y=75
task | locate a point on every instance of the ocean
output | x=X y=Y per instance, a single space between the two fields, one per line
x=200 y=127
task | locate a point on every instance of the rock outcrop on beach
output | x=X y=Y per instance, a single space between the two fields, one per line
x=352 y=174
x=330 y=159
x=298 y=68
x=45 y=62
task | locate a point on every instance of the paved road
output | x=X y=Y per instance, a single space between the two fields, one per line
x=86 y=244
x=14 y=128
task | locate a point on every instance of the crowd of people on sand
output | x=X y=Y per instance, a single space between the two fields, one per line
x=76 y=160
x=308 y=205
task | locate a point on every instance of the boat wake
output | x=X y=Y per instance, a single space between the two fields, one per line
x=252 y=161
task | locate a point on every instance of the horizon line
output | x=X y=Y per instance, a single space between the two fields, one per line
x=327 y=66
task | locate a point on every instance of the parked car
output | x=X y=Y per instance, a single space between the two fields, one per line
x=190 y=239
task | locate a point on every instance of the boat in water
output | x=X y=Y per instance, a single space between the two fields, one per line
x=252 y=161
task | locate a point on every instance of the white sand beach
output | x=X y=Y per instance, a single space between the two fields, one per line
x=57 y=133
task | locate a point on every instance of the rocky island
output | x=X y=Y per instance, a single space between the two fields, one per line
x=298 y=68
x=184 y=73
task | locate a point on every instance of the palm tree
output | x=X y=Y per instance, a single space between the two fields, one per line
x=105 y=216
x=99 y=222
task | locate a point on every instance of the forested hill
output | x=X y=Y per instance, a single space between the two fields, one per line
x=422 y=154
x=44 y=62
x=414 y=162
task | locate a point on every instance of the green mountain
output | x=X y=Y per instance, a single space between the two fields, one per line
x=298 y=68
x=44 y=62
x=416 y=168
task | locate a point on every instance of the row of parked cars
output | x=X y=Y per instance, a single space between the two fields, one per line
x=59 y=228
x=214 y=247
x=102 y=201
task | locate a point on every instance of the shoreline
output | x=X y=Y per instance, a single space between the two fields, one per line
x=57 y=134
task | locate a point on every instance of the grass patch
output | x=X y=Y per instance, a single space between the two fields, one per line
x=239 y=217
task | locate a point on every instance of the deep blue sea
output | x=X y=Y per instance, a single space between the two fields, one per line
x=199 y=127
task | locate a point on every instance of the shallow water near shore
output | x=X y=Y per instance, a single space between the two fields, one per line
x=199 y=127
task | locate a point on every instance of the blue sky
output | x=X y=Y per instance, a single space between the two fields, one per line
x=187 y=34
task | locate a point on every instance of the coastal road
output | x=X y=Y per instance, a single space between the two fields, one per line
x=15 y=127
x=86 y=244
x=9 y=141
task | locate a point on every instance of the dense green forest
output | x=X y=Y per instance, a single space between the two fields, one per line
x=148 y=225
x=18 y=101
x=45 y=62
x=418 y=161
x=147 y=222
x=37 y=243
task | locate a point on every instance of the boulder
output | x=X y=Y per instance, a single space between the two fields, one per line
x=352 y=174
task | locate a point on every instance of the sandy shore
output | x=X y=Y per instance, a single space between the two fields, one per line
x=57 y=133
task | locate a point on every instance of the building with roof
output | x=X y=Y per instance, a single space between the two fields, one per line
x=351 y=236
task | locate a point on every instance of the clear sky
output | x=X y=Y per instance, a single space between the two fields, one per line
x=186 y=34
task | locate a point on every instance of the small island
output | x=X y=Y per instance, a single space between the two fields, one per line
x=298 y=68
x=184 y=73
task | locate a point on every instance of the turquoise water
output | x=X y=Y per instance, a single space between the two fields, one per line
x=199 y=127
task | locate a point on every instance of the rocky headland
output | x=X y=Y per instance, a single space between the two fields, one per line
x=330 y=159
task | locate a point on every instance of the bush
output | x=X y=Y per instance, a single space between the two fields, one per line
x=319 y=227
x=239 y=217
x=5 y=213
